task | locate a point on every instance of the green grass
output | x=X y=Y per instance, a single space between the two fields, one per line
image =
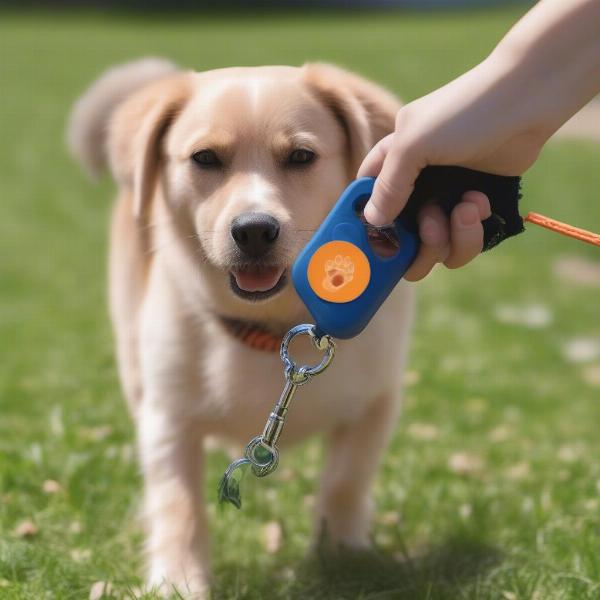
x=525 y=525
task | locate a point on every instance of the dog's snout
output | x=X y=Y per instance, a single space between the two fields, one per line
x=254 y=233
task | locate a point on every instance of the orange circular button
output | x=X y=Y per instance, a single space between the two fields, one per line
x=339 y=272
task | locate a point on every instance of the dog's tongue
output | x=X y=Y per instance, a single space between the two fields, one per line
x=257 y=279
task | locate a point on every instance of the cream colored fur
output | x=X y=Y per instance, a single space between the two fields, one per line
x=184 y=377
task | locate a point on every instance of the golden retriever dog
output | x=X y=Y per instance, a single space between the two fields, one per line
x=222 y=177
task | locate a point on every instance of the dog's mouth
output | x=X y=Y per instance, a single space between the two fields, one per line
x=255 y=282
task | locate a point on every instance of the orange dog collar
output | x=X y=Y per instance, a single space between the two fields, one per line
x=254 y=335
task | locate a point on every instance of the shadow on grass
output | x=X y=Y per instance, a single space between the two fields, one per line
x=451 y=571
x=437 y=573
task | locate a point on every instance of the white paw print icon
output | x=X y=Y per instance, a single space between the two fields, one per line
x=338 y=273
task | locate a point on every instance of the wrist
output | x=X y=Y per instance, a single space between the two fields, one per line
x=551 y=58
x=517 y=95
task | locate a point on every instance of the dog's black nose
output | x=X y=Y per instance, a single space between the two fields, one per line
x=254 y=233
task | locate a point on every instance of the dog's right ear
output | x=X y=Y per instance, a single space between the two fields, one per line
x=365 y=111
x=136 y=132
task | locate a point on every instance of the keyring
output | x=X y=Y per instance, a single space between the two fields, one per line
x=323 y=344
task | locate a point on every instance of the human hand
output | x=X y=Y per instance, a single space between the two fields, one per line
x=453 y=241
x=448 y=127
x=494 y=118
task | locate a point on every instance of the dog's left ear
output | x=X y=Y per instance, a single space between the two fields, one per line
x=136 y=132
x=365 y=111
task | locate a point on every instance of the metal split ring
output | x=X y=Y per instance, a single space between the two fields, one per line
x=324 y=343
x=264 y=458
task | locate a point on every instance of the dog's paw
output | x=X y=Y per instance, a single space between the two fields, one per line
x=338 y=273
x=332 y=539
x=187 y=586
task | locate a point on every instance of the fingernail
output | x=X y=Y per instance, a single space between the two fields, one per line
x=468 y=215
x=374 y=216
x=429 y=230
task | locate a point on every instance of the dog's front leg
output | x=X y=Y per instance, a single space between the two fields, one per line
x=171 y=454
x=353 y=452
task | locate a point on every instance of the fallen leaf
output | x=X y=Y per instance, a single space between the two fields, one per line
x=476 y=406
x=100 y=589
x=51 y=487
x=56 y=421
x=271 y=494
x=591 y=375
x=26 y=529
x=127 y=453
x=309 y=471
x=75 y=527
x=389 y=518
x=313 y=452
x=411 y=378
x=500 y=433
x=578 y=270
x=546 y=500
x=581 y=350
x=308 y=501
x=463 y=463
x=272 y=535
x=533 y=316
x=96 y=433
x=287 y=574
x=527 y=505
x=423 y=431
x=286 y=474
x=80 y=555
x=518 y=472
x=569 y=454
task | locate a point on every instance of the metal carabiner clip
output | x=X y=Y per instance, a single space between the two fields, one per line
x=262 y=453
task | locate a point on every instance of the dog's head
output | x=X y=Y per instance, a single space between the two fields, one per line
x=232 y=170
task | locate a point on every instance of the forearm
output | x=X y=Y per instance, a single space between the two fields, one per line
x=497 y=116
x=552 y=61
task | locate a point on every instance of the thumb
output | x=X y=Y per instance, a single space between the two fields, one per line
x=394 y=184
x=373 y=161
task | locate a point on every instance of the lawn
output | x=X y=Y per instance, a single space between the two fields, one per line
x=491 y=488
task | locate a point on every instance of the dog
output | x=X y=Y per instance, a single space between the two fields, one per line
x=222 y=177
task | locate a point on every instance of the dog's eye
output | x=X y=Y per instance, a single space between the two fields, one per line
x=301 y=157
x=206 y=158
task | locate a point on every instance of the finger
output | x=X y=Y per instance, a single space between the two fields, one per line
x=371 y=165
x=481 y=201
x=393 y=186
x=466 y=235
x=467 y=249
x=435 y=235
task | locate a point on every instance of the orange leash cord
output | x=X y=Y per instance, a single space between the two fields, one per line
x=563 y=228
